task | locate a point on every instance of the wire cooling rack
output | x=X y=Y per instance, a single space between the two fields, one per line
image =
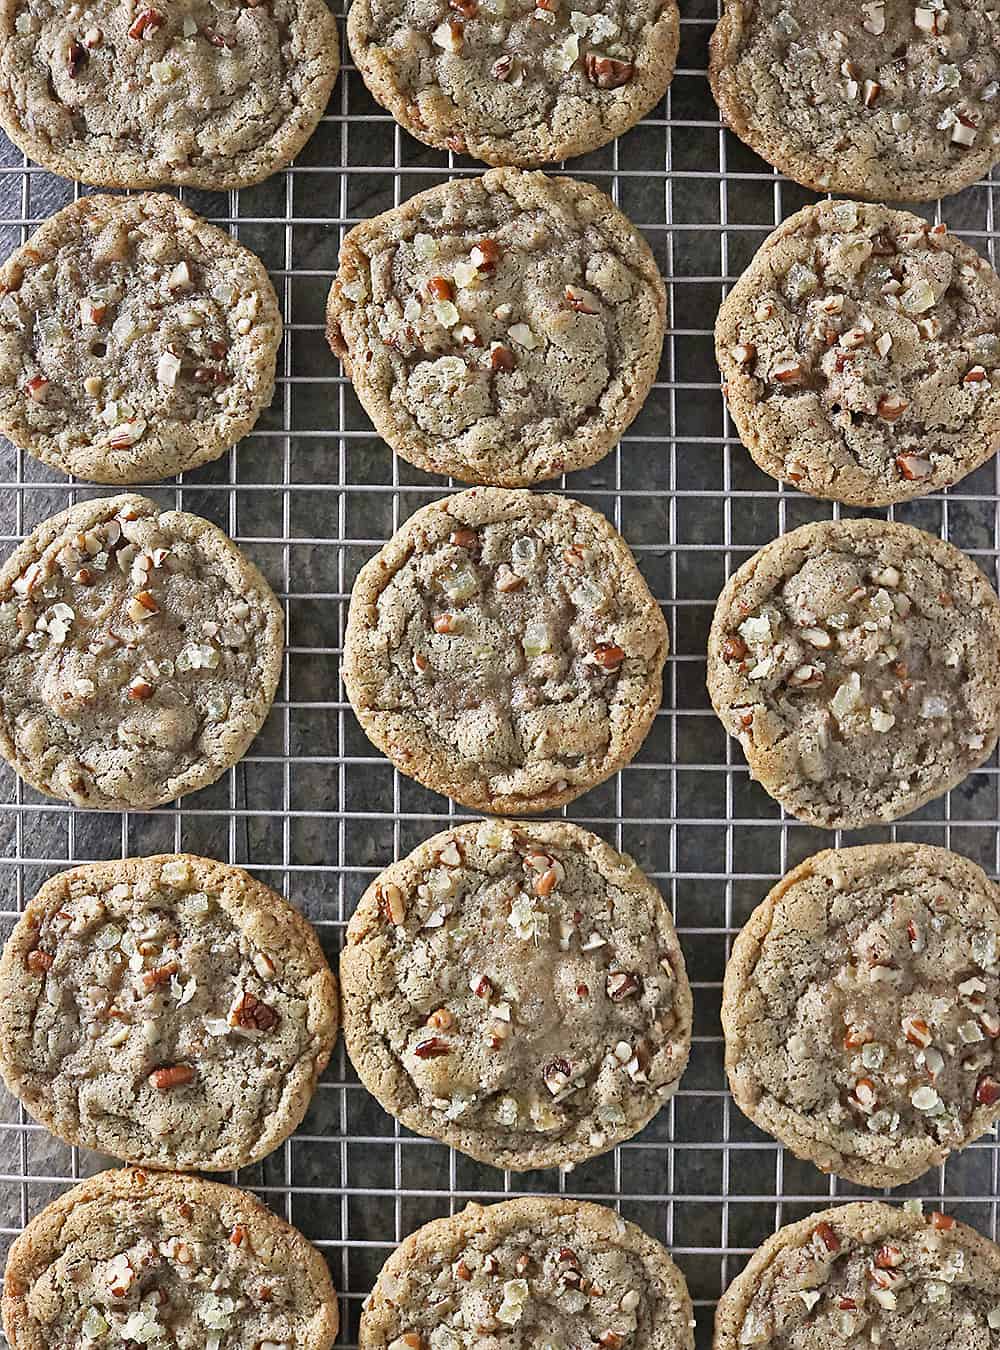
x=314 y=811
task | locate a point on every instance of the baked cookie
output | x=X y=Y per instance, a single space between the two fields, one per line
x=128 y=1258
x=214 y=94
x=537 y=1271
x=504 y=649
x=861 y=1005
x=858 y=663
x=866 y=1274
x=167 y=1010
x=860 y=351
x=887 y=100
x=500 y=329
x=515 y=83
x=517 y=991
x=139 y=654
x=136 y=340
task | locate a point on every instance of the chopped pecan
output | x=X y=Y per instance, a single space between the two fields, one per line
x=253 y=1013
x=146 y=23
x=39 y=961
x=171 y=1076
x=606 y=72
x=161 y=975
x=431 y=1048
x=622 y=984
x=76 y=57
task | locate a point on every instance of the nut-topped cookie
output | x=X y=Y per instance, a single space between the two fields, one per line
x=501 y=329
x=503 y=648
x=860 y=351
x=139 y=654
x=169 y=1010
x=213 y=94
x=136 y=340
x=858 y=664
x=517 y=991
x=866 y=1274
x=861 y=1008
x=515 y=83
x=536 y=1271
x=129 y=1257
x=890 y=100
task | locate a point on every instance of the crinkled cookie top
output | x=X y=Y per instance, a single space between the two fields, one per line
x=862 y=1010
x=139 y=654
x=136 y=341
x=169 y=1262
x=515 y=81
x=500 y=329
x=167 y=1010
x=887 y=99
x=858 y=663
x=504 y=648
x=861 y=351
x=539 y=1271
x=199 y=93
x=866 y=1274
x=517 y=991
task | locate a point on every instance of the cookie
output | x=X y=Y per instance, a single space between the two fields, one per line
x=861 y=1005
x=136 y=340
x=213 y=94
x=139 y=654
x=504 y=649
x=515 y=83
x=168 y=1010
x=501 y=329
x=889 y=100
x=536 y=1271
x=518 y=992
x=129 y=1258
x=866 y=1274
x=858 y=664
x=860 y=351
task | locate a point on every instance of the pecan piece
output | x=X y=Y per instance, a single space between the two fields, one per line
x=76 y=57
x=171 y=1076
x=431 y=1048
x=253 y=1013
x=622 y=984
x=827 y=1236
x=987 y=1090
x=39 y=961
x=608 y=656
x=146 y=23
x=606 y=72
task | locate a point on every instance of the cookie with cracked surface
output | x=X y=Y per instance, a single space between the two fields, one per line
x=501 y=329
x=861 y=1007
x=139 y=654
x=865 y=1274
x=510 y=83
x=860 y=351
x=535 y=1271
x=128 y=1257
x=503 y=648
x=170 y=1010
x=136 y=340
x=213 y=94
x=858 y=664
x=517 y=991
x=889 y=100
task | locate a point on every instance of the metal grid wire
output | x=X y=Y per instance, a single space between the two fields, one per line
x=314 y=811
